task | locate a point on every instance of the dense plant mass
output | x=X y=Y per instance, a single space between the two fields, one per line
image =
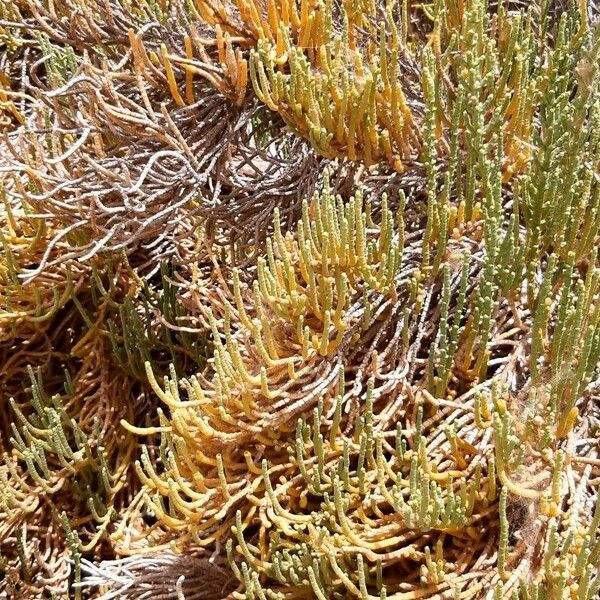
x=300 y=299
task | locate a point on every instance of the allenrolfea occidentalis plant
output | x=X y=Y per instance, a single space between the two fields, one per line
x=300 y=299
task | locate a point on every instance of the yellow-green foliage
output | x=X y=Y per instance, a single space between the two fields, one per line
x=302 y=294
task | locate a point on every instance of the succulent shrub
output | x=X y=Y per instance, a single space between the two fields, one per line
x=300 y=299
